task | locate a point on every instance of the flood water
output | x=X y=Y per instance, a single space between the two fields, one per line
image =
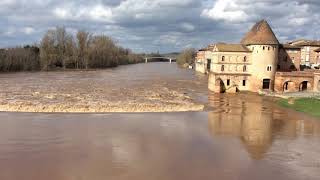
x=242 y=136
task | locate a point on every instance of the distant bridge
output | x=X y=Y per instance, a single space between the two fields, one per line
x=169 y=59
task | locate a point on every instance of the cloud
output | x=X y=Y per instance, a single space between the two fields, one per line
x=227 y=10
x=28 y=30
x=152 y=25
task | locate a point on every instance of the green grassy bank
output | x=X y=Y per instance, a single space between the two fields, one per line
x=307 y=105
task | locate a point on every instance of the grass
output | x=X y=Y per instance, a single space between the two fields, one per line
x=307 y=105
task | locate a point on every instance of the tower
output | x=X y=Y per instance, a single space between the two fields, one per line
x=264 y=45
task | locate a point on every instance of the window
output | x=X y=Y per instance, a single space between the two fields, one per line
x=264 y=48
x=208 y=64
x=228 y=82
x=244 y=82
x=245 y=59
x=269 y=68
x=244 y=68
x=285 y=59
x=266 y=84
x=268 y=48
x=278 y=67
x=286 y=86
x=223 y=58
x=222 y=68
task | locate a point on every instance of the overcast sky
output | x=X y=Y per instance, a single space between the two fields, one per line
x=152 y=25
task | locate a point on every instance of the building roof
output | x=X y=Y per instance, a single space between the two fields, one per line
x=260 y=34
x=289 y=46
x=222 y=47
x=304 y=42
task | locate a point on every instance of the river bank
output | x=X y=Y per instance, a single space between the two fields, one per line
x=309 y=106
x=306 y=102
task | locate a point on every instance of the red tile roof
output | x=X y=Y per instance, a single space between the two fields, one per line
x=260 y=34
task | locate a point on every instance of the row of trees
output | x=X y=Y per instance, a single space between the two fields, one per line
x=59 y=49
x=20 y=59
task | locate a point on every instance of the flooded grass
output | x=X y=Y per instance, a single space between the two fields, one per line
x=307 y=105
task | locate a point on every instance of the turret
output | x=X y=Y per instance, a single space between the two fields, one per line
x=265 y=47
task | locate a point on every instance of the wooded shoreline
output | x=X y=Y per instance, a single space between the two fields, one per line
x=60 y=49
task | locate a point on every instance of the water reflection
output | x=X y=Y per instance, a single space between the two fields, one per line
x=256 y=122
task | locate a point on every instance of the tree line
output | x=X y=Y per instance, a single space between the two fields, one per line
x=60 y=49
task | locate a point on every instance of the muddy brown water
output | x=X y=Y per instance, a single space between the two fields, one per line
x=242 y=136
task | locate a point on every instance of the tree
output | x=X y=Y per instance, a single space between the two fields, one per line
x=47 y=50
x=83 y=40
x=186 y=57
x=61 y=38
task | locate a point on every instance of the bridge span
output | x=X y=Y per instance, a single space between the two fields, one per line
x=169 y=59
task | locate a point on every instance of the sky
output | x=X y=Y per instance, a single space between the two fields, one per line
x=158 y=25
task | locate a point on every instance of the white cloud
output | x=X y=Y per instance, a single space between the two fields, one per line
x=227 y=10
x=95 y=13
x=28 y=30
x=188 y=27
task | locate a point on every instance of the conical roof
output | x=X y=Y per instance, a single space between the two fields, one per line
x=261 y=34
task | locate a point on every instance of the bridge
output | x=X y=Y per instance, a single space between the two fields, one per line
x=169 y=59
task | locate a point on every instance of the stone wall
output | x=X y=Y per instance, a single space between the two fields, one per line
x=229 y=83
x=316 y=86
x=293 y=81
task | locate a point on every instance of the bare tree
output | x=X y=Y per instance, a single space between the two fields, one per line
x=83 y=38
x=61 y=36
x=47 y=50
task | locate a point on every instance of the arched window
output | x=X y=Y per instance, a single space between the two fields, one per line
x=223 y=58
x=222 y=68
x=244 y=68
x=245 y=59
x=269 y=68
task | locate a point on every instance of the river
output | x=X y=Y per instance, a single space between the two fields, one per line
x=243 y=136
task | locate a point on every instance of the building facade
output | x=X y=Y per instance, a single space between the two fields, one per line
x=256 y=62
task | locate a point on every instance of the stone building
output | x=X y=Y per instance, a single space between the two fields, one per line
x=259 y=63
